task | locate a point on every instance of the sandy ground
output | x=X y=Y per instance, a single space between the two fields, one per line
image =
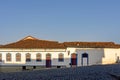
x=79 y=73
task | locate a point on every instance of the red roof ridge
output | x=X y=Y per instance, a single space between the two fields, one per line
x=31 y=42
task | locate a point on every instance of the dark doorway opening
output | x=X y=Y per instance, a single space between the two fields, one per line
x=73 y=60
x=48 y=60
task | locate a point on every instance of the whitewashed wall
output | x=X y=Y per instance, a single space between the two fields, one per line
x=110 y=55
x=95 y=55
x=99 y=55
x=54 y=57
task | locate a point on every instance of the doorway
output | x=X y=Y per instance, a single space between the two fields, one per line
x=85 y=59
x=73 y=60
x=48 y=60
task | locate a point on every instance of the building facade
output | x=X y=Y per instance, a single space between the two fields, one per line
x=34 y=52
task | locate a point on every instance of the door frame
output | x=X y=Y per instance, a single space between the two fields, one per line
x=74 y=58
x=85 y=55
x=48 y=60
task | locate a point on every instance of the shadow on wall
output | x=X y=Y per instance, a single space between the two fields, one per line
x=87 y=57
x=98 y=57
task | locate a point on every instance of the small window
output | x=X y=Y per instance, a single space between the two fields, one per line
x=0 y=57
x=61 y=57
x=38 y=57
x=28 y=57
x=8 y=57
x=18 y=57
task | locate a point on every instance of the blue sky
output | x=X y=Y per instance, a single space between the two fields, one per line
x=61 y=20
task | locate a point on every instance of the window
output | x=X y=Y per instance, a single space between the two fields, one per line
x=0 y=57
x=8 y=57
x=28 y=56
x=38 y=57
x=18 y=57
x=61 y=57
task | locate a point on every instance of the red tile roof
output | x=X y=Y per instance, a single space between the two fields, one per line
x=92 y=44
x=31 y=42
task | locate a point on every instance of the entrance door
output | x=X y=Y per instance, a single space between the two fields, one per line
x=73 y=60
x=48 y=60
x=85 y=61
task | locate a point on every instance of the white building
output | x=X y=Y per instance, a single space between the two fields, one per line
x=34 y=52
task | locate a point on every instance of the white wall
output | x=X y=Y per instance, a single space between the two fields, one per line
x=54 y=56
x=99 y=55
x=95 y=55
x=110 y=55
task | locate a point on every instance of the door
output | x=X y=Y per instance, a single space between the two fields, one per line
x=85 y=60
x=73 y=60
x=48 y=60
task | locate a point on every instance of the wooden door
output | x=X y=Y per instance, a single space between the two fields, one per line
x=48 y=60
x=73 y=59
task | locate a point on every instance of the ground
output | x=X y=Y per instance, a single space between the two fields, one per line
x=98 y=72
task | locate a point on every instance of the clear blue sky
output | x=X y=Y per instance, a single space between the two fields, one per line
x=61 y=20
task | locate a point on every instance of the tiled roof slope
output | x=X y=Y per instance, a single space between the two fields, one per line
x=31 y=42
x=92 y=44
